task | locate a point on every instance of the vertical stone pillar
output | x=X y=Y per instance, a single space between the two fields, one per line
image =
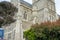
x=18 y=29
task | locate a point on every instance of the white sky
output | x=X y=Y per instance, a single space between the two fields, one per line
x=57 y=6
x=30 y=1
x=56 y=1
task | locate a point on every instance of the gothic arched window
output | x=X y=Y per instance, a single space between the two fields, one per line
x=25 y=15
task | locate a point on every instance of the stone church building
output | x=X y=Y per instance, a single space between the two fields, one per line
x=28 y=14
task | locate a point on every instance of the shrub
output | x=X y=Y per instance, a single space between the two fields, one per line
x=44 y=31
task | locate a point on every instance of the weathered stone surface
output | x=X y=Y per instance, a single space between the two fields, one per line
x=39 y=12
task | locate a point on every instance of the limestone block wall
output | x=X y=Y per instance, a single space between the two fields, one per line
x=27 y=11
x=14 y=31
x=40 y=4
x=9 y=31
x=44 y=10
x=26 y=23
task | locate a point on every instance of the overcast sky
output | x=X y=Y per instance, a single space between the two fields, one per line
x=57 y=6
x=56 y=1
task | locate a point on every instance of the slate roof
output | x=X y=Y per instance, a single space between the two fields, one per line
x=26 y=3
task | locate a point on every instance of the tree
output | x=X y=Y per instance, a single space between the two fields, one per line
x=44 y=31
x=7 y=11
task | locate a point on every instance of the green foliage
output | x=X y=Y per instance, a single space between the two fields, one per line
x=30 y=35
x=43 y=32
